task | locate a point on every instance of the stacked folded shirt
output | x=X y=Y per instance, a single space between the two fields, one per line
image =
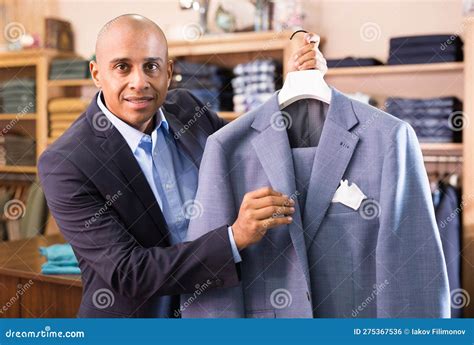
x=17 y=150
x=208 y=82
x=425 y=49
x=18 y=96
x=61 y=260
x=353 y=62
x=434 y=120
x=69 y=69
x=63 y=112
x=254 y=83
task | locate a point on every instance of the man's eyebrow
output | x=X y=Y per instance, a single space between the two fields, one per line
x=148 y=59
x=153 y=59
x=116 y=60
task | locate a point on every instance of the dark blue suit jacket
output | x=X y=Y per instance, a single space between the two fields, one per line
x=105 y=208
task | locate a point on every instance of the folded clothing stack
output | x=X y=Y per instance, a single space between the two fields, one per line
x=18 y=96
x=210 y=83
x=254 y=83
x=69 y=69
x=63 y=112
x=353 y=62
x=425 y=49
x=61 y=260
x=17 y=150
x=434 y=119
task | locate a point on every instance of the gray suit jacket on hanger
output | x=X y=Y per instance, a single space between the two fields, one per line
x=382 y=260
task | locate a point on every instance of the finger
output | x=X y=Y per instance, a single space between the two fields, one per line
x=311 y=55
x=272 y=200
x=307 y=65
x=262 y=192
x=270 y=223
x=274 y=211
x=303 y=50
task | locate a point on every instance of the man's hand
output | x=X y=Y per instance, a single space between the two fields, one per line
x=261 y=210
x=308 y=56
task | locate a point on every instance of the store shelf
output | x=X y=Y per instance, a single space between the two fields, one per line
x=18 y=169
x=448 y=149
x=228 y=115
x=397 y=69
x=70 y=82
x=29 y=57
x=230 y=43
x=19 y=116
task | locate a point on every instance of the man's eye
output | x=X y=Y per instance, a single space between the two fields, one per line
x=152 y=67
x=121 y=66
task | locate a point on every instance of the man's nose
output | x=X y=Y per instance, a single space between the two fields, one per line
x=138 y=80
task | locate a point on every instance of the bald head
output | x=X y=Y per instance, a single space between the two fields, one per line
x=132 y=68
x=128 y=24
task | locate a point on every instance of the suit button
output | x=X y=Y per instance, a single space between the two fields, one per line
x=308 y=296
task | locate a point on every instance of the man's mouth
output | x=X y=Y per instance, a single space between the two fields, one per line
x=139 y=100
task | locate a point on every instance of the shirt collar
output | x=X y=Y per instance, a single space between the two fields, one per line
x=131 y=135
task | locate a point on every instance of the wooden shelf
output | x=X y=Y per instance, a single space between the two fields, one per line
x=70 y=82
x=454 y=149
x=397 y=69
x=228 y=115
x=230 y=43
x=8 y=117
x=30 y=57
x=17 y=169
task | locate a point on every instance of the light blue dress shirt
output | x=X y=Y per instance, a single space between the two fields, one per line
x=172 y=176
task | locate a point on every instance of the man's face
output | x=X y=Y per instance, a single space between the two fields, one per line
x=133 y=72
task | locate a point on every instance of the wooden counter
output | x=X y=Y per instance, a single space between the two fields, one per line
x=25 y=292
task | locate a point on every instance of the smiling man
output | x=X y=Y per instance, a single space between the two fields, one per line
x=121 y=184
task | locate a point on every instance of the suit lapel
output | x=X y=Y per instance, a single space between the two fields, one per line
x=117 y=150
x=334 y=153
x=273 y=150
x=185 y=138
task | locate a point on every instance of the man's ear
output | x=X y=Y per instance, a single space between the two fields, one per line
x=170 y=71
x=94 y=69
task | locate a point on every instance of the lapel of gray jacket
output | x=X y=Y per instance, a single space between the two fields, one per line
x=274 y=152
x=334 y=153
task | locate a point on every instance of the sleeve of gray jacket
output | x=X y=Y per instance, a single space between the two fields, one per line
x=411 y=270
x=215 y=201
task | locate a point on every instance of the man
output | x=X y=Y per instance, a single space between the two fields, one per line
x=121 y=184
